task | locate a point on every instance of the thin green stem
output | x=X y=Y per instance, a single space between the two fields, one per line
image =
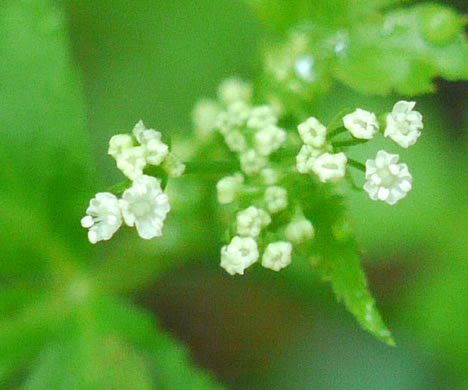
x=335 y=132
x=352 y=142
x=357 y=165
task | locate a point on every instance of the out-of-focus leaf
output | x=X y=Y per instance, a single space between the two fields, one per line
x=399 y=50
x=42 y=119
x=282 y=14
x=168 y=360
x=400 y=54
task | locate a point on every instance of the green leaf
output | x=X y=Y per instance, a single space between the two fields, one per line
x=282 y=14
x=44 y=146
x=168 y=359
x=399 y=53
x=336 y=256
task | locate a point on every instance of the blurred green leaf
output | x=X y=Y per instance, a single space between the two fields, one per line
x=400 y=54
x=42 y=120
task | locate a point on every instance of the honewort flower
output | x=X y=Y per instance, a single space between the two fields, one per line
x=104 y=217
x=252 y=162
x=228 y=187
x=276 y=199
x=151 y=141
x=387 y=180
x=404 y=124
x=277 y=255
x=240 y=254
x=234 y=89
x=306 y=158
x=361 y=124
x=132 y=161
x=269 y=139
x=330 y=167
x=313 y=132
x=299 y=230
x=145 y=206
x=251 y=221
x=262 y=116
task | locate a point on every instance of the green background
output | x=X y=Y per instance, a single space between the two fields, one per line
x=152 y=60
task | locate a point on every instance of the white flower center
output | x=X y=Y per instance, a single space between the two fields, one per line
x=387 y=178
x=141 y=208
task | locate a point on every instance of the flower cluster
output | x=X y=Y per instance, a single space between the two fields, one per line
x=386 y=180
x=144 y=204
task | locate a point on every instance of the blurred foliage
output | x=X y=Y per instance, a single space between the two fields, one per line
x=61 y=323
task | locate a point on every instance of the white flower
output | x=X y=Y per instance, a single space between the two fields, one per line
x=306 y=158
x=251 y=221
x=118 y=143
x=228 y=187
x=361 y=124
x=104 y=217
x=404 y=124
x=239 y=112
x=299 y=231
x=252 y=162
x=145 y=206
x=277 y=255
x=173 y=165
x=138 y=129
x=132 y=161
x=276 y=199
x=312 y=132
x=155 y=149
x=204 y=116
x=269 y=139
x=240 y=254
x=269 y=176
x=330 y=167
x=234 y=89
x=262 y=116
x=235 y=141
x=386 y=179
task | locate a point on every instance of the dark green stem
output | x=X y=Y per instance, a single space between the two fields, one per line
x=335 y=132
x=352 y=142
x=356 y=164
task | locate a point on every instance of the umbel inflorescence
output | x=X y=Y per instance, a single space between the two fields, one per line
x=267 y=159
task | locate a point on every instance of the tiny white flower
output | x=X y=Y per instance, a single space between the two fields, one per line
x=138 y=129
x=361 y=124
x=240 y=254
x=235 y=141
x=252 y=162
x=204 y=116
x=299 y=231
x=173 y=165
x=387 y=180
x=118 y=143
x=404 y=124
x=228 y=188
x=262 y=116
x=276 y=199
x=156 y=150
x=312 y=132
x=306 y=158
x=132 y=161
x=104 y=217
x=330 y=167
x=145 y=206
x=234 y=89
x=269 y=176
x=277 y=255
x=239 y=112
x=251 y=221
x=269 y=139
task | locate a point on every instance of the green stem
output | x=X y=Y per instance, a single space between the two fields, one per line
x=352 y=142
x=335 y=132
x=357 y=165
